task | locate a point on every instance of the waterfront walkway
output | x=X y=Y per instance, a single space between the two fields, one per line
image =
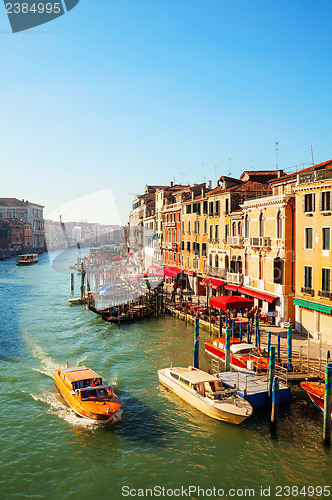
x=309 y=355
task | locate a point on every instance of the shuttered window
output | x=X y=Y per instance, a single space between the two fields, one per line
x=308 y=202
x=325 y=201
x=326 y=280
x=307 y=276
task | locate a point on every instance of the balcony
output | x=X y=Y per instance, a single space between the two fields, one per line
x=308 y=291
x=234 y=241
x=315 y=176
x=218 y=272
x=167 y=245
x=260 y=242
x=325 y=294
x=279 y=289
x=234 y=278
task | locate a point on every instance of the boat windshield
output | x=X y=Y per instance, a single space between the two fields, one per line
x=95 y=393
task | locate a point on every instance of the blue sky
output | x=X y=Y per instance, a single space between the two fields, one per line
x=116 y=95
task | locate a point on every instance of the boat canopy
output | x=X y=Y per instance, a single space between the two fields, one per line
x=235 y=348
x=194 y=376
x=77 y=373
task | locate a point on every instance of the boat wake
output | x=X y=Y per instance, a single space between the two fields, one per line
x=56 y=407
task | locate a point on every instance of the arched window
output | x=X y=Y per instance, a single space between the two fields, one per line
x=261 y=225
x=239 y=265
x=278 y=271
x=234 y=229
x=182 y=227
x=216 y=261
x=279 y=225
x=246 y=227
x=174 y=236
x=205 y=226
x=246 y=264
x=210 y=260
x=198 y=227
x=179 y=235
x=226 y=262
x=189 y=226
x=239 y=229
x=233 y=264
x=260 y=266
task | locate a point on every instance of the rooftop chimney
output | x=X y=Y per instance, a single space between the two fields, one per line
x=210 y=185
x=171 y=183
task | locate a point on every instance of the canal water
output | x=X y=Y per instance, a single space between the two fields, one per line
x=160 y=441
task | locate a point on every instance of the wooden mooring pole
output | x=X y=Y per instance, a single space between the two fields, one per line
x=228 y=350
x=196 y=342
x=327 y=402
x=72 y=282
x=275 y=404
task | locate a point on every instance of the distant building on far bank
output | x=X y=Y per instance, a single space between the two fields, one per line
x=14 y=215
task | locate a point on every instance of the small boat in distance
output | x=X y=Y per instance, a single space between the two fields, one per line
x=243 y=356
x=206 y=393
x=316 y=392
x=84 y=391
x=27 y=259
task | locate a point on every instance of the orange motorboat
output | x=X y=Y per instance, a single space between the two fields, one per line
x=84 y=391
x=242 y=356
x=316 y=392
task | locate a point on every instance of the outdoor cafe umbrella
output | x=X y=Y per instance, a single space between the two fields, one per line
x=230 y=302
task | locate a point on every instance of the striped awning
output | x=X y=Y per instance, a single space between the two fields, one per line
x=306 y=304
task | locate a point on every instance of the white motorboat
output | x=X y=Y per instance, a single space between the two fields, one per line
x=206 y=393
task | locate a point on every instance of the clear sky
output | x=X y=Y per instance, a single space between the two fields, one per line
x=118 y=94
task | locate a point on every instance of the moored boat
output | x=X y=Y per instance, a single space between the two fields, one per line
x=206 y=393
x=243 y=356
x=85 y=392
x=27 y=259
x=316 y=392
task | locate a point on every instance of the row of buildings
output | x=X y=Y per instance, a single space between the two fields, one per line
x=266 y=235
x=21 y=226
x=23 y=229
x=69 y=234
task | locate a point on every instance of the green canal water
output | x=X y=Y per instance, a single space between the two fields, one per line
x=160 y=441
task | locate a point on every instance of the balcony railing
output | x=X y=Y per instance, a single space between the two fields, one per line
x=315 y=176
x=261 y=241
x=219 y=272
x=235 y=241
x=235 y=278
x=308 y=291
x=325 y=293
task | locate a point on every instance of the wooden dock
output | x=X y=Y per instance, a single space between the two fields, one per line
x=254 y=387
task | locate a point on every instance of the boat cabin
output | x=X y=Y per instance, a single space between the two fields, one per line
x=201 y=382
x=79 y=377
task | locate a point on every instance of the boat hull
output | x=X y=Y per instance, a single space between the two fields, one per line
x=316 y=393
x=237 y=362
x=230 y=411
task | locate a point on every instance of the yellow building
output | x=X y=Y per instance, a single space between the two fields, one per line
x=269 y=227
x=194 y=236
x=313 y=299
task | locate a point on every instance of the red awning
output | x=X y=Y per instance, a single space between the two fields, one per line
x=154 y=267
x=169 y=272
x=231 y=287
x=257 y=295
x=213 y=283
x=188 y=273
x=230 y=302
